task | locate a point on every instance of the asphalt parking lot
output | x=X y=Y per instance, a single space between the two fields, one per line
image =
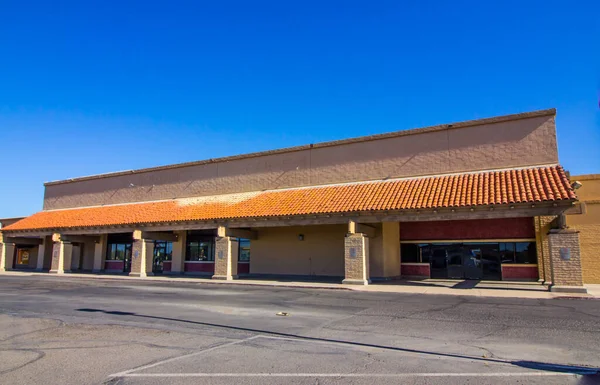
x=77 y=331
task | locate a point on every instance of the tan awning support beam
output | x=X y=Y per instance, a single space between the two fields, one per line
x=79 y=238
x=223 y=231
x=576 y=209
x=159 y=236
x=23 y=241
x=359 y=228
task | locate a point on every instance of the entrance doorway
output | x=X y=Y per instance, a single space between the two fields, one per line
x=163 y=252
x=118 y=253
x=465 y=261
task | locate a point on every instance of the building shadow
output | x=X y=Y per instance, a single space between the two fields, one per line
x=468 y=284
x=590 y=375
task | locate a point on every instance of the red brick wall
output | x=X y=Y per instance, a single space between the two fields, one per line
x=114 y=265
x=468 y=229
x=520 y=272
x=413 y=270
x=199 y=267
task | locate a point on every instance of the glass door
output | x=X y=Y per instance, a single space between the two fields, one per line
x=162 y=252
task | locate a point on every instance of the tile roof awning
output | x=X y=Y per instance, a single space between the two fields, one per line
x=528 y=185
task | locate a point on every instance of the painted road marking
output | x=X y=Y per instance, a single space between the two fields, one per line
x=127 y=372
x=130 y=372
x=338 y=375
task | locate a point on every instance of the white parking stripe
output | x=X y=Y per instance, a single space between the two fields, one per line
x=127 y=372
x=367 y=375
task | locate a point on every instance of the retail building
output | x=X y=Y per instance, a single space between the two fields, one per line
x=483 y=199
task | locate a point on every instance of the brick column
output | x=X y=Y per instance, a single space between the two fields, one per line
x=565 y=261
x=356 y=259
x=62 y=253
x=7 y=254
x=99 y=254
x=142 y=254
x=40 y=257
x=226 y=258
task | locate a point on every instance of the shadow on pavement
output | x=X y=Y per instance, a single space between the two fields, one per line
x=590 y=375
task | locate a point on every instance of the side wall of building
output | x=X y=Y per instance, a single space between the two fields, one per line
x=462 y=147
x=588 y=225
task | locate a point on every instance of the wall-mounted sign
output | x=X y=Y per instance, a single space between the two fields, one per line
x=353 y=252
x=220 y=254
x=565 y=253
x=136 y=254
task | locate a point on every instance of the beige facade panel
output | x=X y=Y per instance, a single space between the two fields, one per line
x=588 y=226
x=523 y=140
x=279 y=250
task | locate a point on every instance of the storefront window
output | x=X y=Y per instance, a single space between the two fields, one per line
x=525 y=253
x=200 y=251
x=507 y=252
x=118 y=251
x=244 y=253
x=163 y=250
x=410 y=252
x=486 y=253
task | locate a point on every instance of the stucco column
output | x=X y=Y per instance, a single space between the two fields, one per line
x=62 y=253
x=565 y=261
x=99 y=254
x=391 y=249
x=356 y=259
x=40 y=256
x=7 y=254
x=178 y=255
x=226 y=258
x=543 y=225
x=142 y=253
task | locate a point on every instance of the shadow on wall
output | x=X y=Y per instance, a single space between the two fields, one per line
x=590 y=375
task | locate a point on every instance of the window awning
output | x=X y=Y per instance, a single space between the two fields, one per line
x=526 y=185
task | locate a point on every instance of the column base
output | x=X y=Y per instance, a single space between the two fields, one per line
x=356 y=281
x=225 y=277
x=568 y=289
x=141 y=275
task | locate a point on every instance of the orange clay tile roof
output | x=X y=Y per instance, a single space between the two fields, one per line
x=528 y=185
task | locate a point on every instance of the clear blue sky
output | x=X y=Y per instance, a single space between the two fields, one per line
x=89 y=87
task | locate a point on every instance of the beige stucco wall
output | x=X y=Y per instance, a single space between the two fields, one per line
x=588 y=225
x=278 y=251
x=500 y=143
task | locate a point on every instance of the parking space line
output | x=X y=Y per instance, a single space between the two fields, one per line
x=344 y=375
x=130 y=371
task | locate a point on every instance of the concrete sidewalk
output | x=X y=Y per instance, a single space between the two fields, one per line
x=500 y=289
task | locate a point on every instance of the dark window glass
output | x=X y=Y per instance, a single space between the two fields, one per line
x=409 y=252
x=507 y=252
x=163 y=250
x=425 y=250
x=118 y=251
x=525 y=253
x=200 y=251
x=244 y=253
